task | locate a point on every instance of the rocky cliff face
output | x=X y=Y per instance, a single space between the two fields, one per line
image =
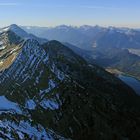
x=49 y=92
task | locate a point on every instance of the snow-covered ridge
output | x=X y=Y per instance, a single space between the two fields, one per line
x=27 y=63
x=21 y=33
x=17 y=30
x=28 y=60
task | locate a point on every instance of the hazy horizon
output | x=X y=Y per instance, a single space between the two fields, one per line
x=48 y=13
x=53 y=26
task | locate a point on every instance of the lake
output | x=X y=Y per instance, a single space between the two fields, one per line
x=132 y=82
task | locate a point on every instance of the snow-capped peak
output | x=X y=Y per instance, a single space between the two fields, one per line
x=13 y=26
x=21 y=33
x=16 y=29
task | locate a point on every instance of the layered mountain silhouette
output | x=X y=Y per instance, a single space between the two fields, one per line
x=115 y=48
x=89 y=37
x=50 y=92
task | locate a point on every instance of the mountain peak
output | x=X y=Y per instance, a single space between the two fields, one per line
x=16 y=29
x=14 y=26
x=11 y=27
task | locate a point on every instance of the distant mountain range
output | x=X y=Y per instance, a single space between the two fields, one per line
x=110 y=47
x=88 y=37
x=48 y=91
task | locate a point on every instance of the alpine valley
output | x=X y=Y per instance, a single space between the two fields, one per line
x=51 y=90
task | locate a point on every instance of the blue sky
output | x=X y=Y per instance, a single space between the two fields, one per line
x=71 y=12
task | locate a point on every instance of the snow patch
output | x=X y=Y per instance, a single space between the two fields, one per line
x=60 y=75
x=1 y=43
x=5 y=29
x=49 y=104
x=7 y=105
x=24 y=127
x=51 y=85
x=2 y=47
x=30 y=104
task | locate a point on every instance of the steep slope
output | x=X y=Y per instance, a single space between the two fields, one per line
x=60 y=96
x=10 y=45
x=102 y=46
x=11 y=41
x=113 y=58
x=87 y=55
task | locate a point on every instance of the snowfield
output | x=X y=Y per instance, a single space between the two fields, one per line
x=6 y=105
